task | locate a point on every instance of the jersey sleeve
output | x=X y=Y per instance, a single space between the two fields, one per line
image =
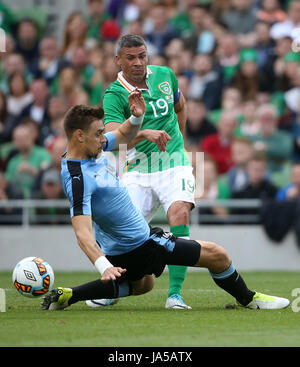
x=114 y=110
x=110 y=141
x=78 y=189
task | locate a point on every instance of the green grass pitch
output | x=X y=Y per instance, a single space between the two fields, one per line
x=144 y=322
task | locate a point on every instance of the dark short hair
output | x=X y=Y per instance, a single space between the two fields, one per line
x=81 y=117
x=129 y=40
x=258 y=157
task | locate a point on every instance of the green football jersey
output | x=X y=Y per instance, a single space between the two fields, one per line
x=160 y=115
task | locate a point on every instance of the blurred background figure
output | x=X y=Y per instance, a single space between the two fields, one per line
x=9 y=192
x=292 y=190
x=270 y=138
x=197 y=126
x=51 y=189
x=213 y=189
x=218 y=145
x=258 y=186
x=237 y=176
x=236 y=62
x=23 y=168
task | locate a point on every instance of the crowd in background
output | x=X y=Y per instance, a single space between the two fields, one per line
x=237 y=64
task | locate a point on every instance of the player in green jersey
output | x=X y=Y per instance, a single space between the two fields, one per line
x=158 y=171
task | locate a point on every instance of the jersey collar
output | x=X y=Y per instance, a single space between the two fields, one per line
x=130 y=88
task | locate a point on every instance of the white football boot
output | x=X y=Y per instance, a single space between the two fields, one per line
x=103 y=302
x=176 y=302
x=265 y=302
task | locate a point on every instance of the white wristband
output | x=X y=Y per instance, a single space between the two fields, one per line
x=102 y=264
x=134 y=120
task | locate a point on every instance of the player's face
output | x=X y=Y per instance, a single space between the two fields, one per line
x=133 y=62
x=94 y=139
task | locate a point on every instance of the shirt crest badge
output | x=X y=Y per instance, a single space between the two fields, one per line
x=165 y=88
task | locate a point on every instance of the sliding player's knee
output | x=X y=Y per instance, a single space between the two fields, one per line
x=213 y=256
x=220 y=258
x=143 y=286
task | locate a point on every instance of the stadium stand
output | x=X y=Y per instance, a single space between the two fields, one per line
x=238 y=65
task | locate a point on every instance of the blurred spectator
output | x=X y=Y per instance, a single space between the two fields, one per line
x=218 y=145
x=66 y=85
x=13 y=63
x=27 y=41
x=74 y=34
x=51 y=189
x=49 y=63
x=137 y=27
x=292 y=96
x=7 y=121
x=110 y=71
x=197 y=125
x=228 y=56
x=285 y=67
x=182 y=20
x=258 y=187
x=292 y=190
x=33 y=126
x=161 y=32
x=286 y=28
x=202 y=40
x=231 y=101
x=264 y=46
x=270 y=12
x=97 y=15
x=37 y=110
x=213 y=189
x=19 y=96
x=56 y=131
x=183 y=84
x=159 y=60
x=240 y=20
x=56 y=149
x=95 y=79
x=274 y=143
x=23 y=168
x=174 y=48
x=8 y=18
x=250 y=126
x=237 y=176
x=9 y=192
x=295 y=133
x=248 y=79
x=206 y=82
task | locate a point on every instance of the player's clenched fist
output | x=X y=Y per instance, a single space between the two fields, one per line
x=159 y=137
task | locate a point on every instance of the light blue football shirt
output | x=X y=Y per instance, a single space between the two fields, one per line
x=93 y=188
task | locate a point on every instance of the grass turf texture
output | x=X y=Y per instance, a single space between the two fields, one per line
x=144 y=322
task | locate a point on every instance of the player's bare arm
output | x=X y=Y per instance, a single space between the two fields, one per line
x=159 y=137
x=126 y=132
x=83 y=228
x=180 y=109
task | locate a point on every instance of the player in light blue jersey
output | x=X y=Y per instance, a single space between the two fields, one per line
x=126 y=252
x=94 y=189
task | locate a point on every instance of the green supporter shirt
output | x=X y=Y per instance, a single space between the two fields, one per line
x=39 y=158
x=160 y=115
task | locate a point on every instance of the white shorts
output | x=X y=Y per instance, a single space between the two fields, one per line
x=150 y=190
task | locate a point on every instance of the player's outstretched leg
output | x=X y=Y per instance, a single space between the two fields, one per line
x=60 y=298
x=224 y=274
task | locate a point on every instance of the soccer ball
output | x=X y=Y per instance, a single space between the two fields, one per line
x=33 y=276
